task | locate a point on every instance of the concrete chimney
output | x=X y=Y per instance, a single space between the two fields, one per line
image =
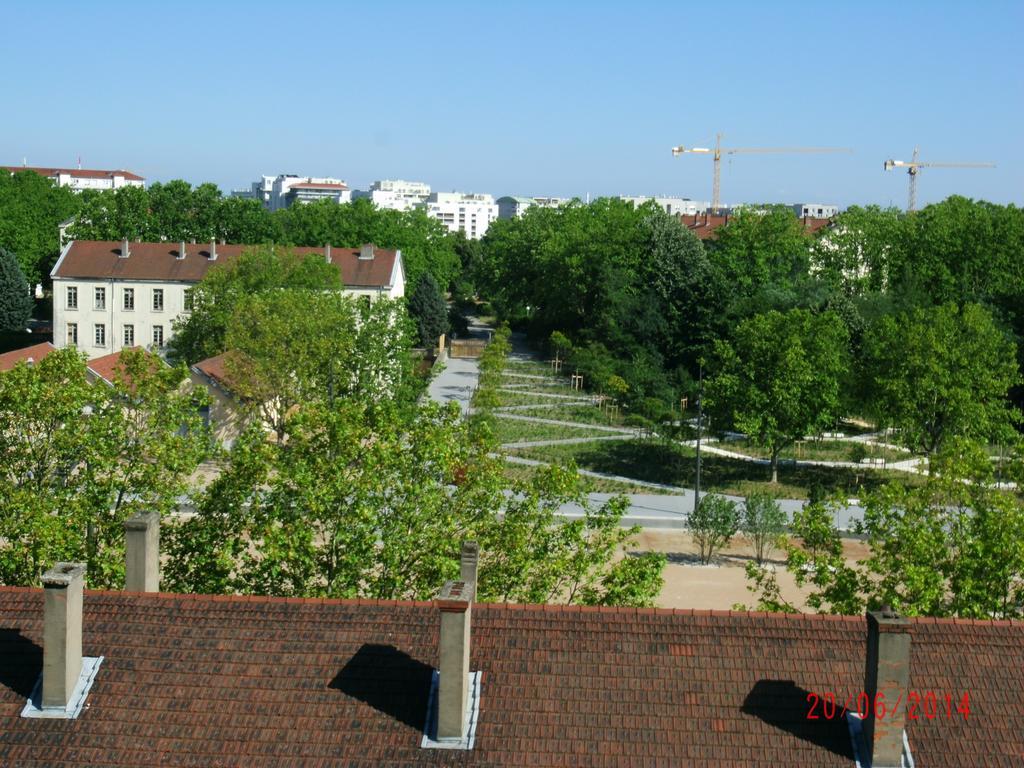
x=327 y=253
x=62 y=633
x=887 y=672
x=181 y=250
x=366 y=251
x=469 y=561
x=453 y=690
x=124 y=249
x=142 y=552
x=213 y=249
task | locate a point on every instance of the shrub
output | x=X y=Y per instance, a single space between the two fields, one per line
x=713 y=524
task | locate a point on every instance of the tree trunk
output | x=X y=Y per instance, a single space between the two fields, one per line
x=775 y=466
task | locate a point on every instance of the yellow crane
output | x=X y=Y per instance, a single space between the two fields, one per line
x=914 y=167
x=719 y=150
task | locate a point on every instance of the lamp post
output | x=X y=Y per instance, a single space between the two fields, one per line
x=700 y=418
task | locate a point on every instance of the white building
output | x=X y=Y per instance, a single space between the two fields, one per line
x=396 y=194
x=276 y=192
x=80 y=178
x=676 y=206
x=461 y=212
x=109 y=295
x=511 y=206
x=815 y=210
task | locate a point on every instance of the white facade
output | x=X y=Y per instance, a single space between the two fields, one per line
x=276 y=192
x=815 y=210
x=104 y=316
x=460 y=212
x=511 y=207
x=80 y=179
x=395 y=194
x=676 y=206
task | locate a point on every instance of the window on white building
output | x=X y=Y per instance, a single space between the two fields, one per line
x=158 y=335
x=100 y=335
x=100 y=296
x=72 y=297
x=129 y=336
x=129 y=299
x=73 y=334
x=189 y=299
x=158 y=299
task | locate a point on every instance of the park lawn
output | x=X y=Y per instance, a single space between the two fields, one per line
x=583 y=414
x=527 y=398
x=515 y=430
x=532 y=367
x=656 y=462
x=523 y=473
x=535 y=385
x=817 y=450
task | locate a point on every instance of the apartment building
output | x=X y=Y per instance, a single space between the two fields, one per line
x=675 y=206
x=471 y=214
x=80 y=179
x=110 y=295
x=512 y=207
x=815 y=210
x=286 y=189
x=395 y=194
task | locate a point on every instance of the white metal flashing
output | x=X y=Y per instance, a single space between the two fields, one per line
x=34 y=706
x=60 y=258
x=430 y=740
x=860 y=748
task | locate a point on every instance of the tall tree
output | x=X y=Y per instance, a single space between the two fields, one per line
x=941 y=372
x=15 y=298
x=31 y=210
x=429 y=311
x=780 y=379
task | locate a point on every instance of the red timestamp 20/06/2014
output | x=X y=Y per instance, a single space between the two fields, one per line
x=921 y=705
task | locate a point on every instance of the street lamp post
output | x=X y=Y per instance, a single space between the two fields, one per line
x=700 y=418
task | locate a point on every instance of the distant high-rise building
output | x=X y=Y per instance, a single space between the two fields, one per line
x=276 y=192
x=395 y=194
x=80 y=179
x=677 y=206
x=461 y=212
x=510 y=206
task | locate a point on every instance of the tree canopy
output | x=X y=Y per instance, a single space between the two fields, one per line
x=31 y=210
x=15 y=299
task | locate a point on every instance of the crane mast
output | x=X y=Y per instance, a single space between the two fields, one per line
x=914 y=168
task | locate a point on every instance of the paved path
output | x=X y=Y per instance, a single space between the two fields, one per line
x=456 y=382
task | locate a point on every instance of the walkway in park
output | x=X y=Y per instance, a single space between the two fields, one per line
x=458 y=380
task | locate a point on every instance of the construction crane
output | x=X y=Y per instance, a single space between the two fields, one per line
x=914 y=168
x=719 y=150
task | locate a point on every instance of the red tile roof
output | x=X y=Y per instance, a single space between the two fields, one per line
x=215 y=368
x=253 y=682
x=35 y=353
x=80 y=173
x=100 y=259
x=704 y=225
x=109 y=367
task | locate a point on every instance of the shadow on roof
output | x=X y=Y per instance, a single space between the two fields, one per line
x=389 y=680
x=783 y=704
x=21 y=660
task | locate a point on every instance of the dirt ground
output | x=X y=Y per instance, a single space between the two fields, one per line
x=688 y=584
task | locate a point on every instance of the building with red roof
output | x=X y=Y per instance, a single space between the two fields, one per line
x=83 y=178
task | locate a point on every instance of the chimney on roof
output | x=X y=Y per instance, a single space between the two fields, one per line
x=468 y=562
x=62 y=633
x=213 y=249
x=124 y=249
x=454 y=705
x=142 y=552
x=366 y=251
x=887 y=672
x=181 y=250
x=327 y=253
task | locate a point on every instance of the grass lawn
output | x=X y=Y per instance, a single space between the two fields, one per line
x=532 y=367
x=526 y=398
x=584 y=414
x=818 y=450
x=514 y=430
x=521 y=473
x=653 y=461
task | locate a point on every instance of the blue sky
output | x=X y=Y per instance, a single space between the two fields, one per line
x=524 y=98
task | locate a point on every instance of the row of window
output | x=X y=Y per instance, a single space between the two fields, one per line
x=127 y=298
x=99 y=335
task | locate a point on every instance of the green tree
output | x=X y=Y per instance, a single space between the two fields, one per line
x=861 y=252
x=356 y=504
x=780 y=379
x=763 y=524
x=31 y=210
x=941 y=372
x=78 y=459
x=428 y=310
x=15 y=298
x=201 y=333
x=713 y=524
